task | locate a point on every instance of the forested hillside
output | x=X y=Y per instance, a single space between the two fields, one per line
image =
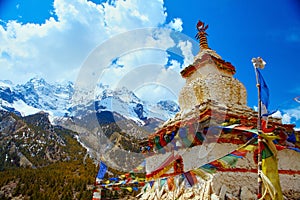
x=42 y=161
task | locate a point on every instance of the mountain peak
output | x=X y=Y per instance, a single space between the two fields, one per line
x=6 y=84
x=37 y=82
x=37 y=79
x=38 y=95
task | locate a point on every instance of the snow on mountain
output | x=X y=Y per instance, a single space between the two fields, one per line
x=34 y=96
x=56 y=99
x=128 y=104
x=8 y=96
x=49 y=97
x=6 y=84
x=24 y=109
x=120 y=100
x=168 y=107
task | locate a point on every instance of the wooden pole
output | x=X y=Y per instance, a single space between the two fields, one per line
x=259 y=144
x=257 y=63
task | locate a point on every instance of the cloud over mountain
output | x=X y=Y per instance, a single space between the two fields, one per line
x=57 y=48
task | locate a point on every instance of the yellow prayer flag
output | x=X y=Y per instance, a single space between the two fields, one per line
x=201 y=174
x=250 y=147
x=270 y=176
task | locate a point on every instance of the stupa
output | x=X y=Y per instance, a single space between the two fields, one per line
x=208 y=150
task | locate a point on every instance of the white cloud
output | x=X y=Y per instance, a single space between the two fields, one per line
x=176 y=24
x=56 y=49
x=155 y=93
x=294 y=112
x=175 y=65
x=132 y=14
x=186 y=48
x=277 y=114
x=285 y=117
x=289 y=116
x=256 y=108
x=144 y=72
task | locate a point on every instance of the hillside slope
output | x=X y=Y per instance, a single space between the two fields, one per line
x=42 y=161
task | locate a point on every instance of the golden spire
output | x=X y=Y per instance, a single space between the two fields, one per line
x=201 y=35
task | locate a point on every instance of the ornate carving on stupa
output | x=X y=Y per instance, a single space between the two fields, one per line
x=210 y=78
x=201 y=35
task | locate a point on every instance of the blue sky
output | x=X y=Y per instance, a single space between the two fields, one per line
x=53 y=38
x=26 y=11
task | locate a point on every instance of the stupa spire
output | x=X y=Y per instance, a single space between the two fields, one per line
x=201 y=35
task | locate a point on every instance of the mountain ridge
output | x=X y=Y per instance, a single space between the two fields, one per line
x=57 y=99
x=110 y=124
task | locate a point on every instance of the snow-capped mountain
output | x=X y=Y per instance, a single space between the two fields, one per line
x=34 y=96
x=56 y=99
x=125 y=102
x=107 y=122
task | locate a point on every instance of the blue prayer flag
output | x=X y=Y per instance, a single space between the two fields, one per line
x=151 y=183
x=114 y=179
x=292 y=138
x=264 y=90
x=294 y=148
x=264 y=95
x=102 y=170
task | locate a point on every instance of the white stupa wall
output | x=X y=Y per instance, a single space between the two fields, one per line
x=209 y=83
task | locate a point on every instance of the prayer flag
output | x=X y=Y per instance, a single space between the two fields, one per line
x=270 y=174
x=102 y=170
x=162 y=182
x=228 y=161
x=264 y=95
x=114 y=179
x=202 y=174
x=171 y=183
x=129 y=189
x=264 y=90
x=191 y=178
x=151 y=183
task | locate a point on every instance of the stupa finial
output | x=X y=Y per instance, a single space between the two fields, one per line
x=201 y=35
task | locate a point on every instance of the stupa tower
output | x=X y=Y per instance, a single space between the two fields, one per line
x=210 y=78
x=208 y=150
